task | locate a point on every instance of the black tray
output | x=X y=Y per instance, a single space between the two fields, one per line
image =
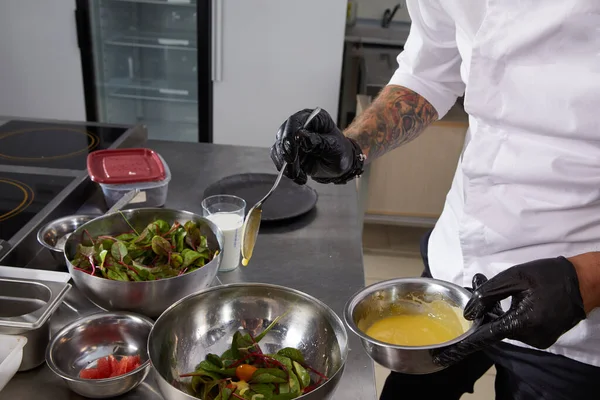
x=288 y=201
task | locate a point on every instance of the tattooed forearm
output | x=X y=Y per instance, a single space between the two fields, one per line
x=397 y=116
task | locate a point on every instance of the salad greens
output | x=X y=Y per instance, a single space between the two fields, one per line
x=160 y=251
x=245 y=372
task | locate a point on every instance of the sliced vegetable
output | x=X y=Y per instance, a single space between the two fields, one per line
x=91 y=373
x=245 y=372
x=302 y=374
x=111 y=366
x=160 y=251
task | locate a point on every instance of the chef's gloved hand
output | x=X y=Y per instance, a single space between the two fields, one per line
x=320 y=151
x=495 y=309
x=546 y=303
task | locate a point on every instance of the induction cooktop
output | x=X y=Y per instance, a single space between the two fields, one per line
x=53 y=145
x=23 y=195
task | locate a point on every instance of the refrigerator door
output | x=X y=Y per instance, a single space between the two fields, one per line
x=271 y=59
x=145 y=64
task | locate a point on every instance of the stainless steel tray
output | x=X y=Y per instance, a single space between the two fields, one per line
x=26 y=304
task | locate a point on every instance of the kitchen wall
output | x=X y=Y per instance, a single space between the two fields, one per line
x=40 y=64
x=374 y=9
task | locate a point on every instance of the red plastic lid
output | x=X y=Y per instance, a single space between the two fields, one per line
x=121 y=166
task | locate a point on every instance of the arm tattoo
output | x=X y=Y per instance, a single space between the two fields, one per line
x=397 y=116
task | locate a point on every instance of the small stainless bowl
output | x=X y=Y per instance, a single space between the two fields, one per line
x=205 y=322
x=95 y=336
x=54 y=234
x=374 y=301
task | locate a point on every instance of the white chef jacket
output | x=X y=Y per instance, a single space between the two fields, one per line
x=527 y=185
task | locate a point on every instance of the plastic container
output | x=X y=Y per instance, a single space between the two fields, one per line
x=120 y=171
x=11 y=354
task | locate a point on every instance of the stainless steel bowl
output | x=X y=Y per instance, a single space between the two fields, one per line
x=149 y=298
x=99 y=335
x=54 y=234
x=205 y=322
x=376 y=300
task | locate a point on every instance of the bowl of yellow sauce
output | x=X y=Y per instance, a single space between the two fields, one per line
x=402 y=322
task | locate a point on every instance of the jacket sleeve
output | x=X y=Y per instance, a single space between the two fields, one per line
x=430 y=62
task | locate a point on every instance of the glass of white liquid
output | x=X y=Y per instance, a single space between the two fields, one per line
x=227 y=212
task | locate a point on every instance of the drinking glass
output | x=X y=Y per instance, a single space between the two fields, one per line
x=227 y=212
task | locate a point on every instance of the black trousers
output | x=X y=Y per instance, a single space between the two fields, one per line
x=522 y=374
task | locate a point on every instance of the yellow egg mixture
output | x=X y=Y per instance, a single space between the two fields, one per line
x=440 y=324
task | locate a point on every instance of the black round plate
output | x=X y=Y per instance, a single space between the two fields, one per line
x=289 y=200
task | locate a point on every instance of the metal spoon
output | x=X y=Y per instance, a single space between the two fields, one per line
x=252 y=222
x=123 y=201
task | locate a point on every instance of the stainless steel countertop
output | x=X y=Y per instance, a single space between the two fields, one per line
x=319 y=254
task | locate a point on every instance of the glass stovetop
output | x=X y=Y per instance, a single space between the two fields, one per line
x=53 y=145
x=22 y=196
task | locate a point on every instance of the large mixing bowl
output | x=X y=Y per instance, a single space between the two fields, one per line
x=205 y=322
x=149 y=298
x=375 y=301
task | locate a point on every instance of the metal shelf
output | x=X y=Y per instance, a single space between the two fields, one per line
x=154 y=40
x=154 y=121
x=166 y=129
x=152 y=90
x=178 y=3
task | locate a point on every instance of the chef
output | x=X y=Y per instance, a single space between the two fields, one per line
x=524 y=206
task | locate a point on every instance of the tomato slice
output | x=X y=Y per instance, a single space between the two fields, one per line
x=118 y=369
x=138 y=361
x=114 y=365
x=108 y=367
x=132 y=362
x=123 y=367
x=245 y=371
x=89 y=373
x=103 y=368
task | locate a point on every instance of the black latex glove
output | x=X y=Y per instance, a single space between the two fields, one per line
x=546 y=303
x=495 y=309
x=320 y=151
